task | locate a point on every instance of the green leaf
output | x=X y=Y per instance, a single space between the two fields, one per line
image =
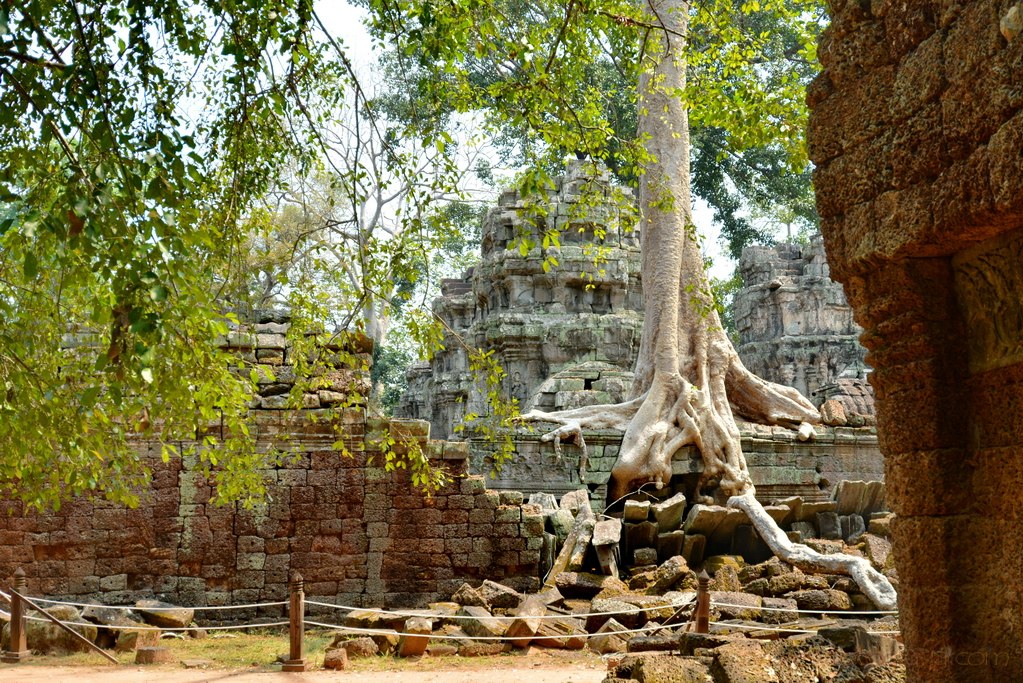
x=30 y=265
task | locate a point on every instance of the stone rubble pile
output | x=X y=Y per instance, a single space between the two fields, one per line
x=626 y=586
x=121 y=630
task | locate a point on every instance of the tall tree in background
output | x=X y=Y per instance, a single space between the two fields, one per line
x=689 y=381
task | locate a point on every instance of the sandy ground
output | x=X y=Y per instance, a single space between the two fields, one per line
x=581 y=673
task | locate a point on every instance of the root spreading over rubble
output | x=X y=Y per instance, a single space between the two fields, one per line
x=688 y=376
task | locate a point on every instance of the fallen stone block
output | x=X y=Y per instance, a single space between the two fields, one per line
x=712 y=564
x=467 y=596
x=479 y=623
x=732 y=605
x=665 y=642
x=881 y=525
x=585 y=585
x=703 y=519
x=477 y=649
x=607 y=532
x=527 y=621
x=668 y=513
x=336 y=659
x=164 y=614
x=48 y=638
x=669 y=574
x=441 y=650
x=548 y=502
x=386 y=643
x=497 y=595
x=727 y=579
x=573 y=501
x=609 y=638
x=153 y=655
x=415 y=638
x=779 y=610
x=356 y=647
x=693 y=548
x=560 y=523
x=640 y=535
x=829 y=525
x=129 y=641
x=657 y=667
x=611 y=608
x=821 y=599
x=669 y=544
x=689 y=641
x=567 y=634
x=743 y=662
x=878 y=550
x=636 y=510
x=643 y=557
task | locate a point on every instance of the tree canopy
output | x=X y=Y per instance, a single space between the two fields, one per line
x=143 y=144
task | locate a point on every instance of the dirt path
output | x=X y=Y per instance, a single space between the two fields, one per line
x=484 y=674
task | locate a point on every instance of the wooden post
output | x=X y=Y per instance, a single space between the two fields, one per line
x=17 y=649
x=296 y=624
x=703 y=603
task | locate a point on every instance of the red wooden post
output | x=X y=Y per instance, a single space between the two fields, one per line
x=17 y=649
x=296 y=625
x=703 y=603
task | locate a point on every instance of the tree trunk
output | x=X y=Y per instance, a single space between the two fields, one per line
x=688 y=376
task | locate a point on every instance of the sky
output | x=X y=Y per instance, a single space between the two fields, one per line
x=345 y=22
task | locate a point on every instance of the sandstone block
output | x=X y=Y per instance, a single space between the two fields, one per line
x=153 y=655
x=524 y=627
x=336 y=659
x=415 y=645
x=478 y=622
x=608 y=639
x=668 y=513
x=498 y=595
x=636 y=510
x=669 y=544
x=567 y=634
x=164 y=614
x=821 y=599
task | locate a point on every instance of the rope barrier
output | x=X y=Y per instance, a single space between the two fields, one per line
x=432 y=636
x=805 y=611
x=238 y=627
x=581 y=615
x=772 y=629
x=160 y=609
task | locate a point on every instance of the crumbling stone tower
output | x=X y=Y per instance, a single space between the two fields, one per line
x=794 y=323
x=565 y=336
x=917 y=134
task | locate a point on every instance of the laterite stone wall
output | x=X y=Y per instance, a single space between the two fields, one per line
x=359 y=534
x=917 y=135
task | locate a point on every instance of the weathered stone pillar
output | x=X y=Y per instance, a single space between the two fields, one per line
x=917 y=134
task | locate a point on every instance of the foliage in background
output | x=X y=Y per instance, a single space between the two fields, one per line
x=748 y=67
x=153 y=156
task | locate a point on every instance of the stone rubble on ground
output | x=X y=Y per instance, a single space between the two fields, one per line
x=642 y=612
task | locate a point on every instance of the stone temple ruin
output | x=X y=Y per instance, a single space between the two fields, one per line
x=796 y=328
x=566 y=336
x=569 y=337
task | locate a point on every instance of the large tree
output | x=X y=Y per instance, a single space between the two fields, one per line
x=689 y=381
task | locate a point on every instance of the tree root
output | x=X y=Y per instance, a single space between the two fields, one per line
x=873 y=583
